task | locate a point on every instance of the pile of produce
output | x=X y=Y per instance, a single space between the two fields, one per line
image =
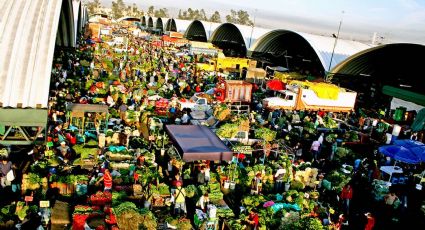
x=222 y=112
x=164 y=190
x=337 y=180
x=228 y=130
x=31 y=181
x=265 y=134
x=225 y=212
x=130 y=217
x=380 y=189
x=191 y=191
x=329 y=123
x=101 y=198
x=308 y=176
x=215 y=193
x=180 y=224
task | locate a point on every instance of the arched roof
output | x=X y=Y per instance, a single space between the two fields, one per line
x=227 y=36
x=28 y=31
x=196 y=32
x=128 y=18
x=150 y=22
x=394 y=64
x=144 y=21
x=159 y=24
x=171 y=25
x=310 y=46
x=66 y=33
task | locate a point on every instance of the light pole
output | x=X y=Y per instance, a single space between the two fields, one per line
x=336 y=40
x=252 y=29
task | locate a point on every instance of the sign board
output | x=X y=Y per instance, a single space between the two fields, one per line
x=29 y=198
x=44 y=203
x=245 y=149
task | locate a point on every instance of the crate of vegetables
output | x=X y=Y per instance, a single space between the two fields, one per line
x=101 y=198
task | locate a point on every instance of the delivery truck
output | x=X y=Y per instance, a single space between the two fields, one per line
x=312 y=96
x=233 y=91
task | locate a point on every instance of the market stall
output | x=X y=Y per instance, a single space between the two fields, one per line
x=88 y=117
x=195 y=142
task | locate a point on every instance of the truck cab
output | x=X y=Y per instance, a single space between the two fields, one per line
x=196 y=102
x=284 y=99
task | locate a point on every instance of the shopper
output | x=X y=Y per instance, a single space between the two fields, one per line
x=179 y=200
x=346 y=196
x=5 y=168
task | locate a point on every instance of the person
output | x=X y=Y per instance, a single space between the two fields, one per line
x=207 y=173
x=370 y=224
x=123 y=111
x=178 y=179
x=315 y=149
x=5 y=167
x=201 y=177
x=107 y=180
x=346 y=196
x=179 y=200
x=253 y=220
x=390 y=198
x=203 y=202
x=279 y=179
x=64 y=151
x=298 y=151
x=256 y=184
x=185 y=118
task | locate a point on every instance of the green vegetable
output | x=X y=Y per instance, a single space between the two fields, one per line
x=266 y=134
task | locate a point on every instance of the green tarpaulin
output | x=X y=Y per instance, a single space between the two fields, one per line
x=404 y=95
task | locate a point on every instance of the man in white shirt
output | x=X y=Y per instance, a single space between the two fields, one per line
x=279 y=179
x=315 y=149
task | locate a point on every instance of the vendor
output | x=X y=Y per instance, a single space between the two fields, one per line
x=107 y=180
x=253 y=220
x=256 y=184
x=64 y=151
x=203 y=202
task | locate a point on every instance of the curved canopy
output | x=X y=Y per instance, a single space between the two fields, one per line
x=28 y=32
x=393 y=64
x=171 y=25
x=150 y=22
x=159 y=25
x=196 y=32
x=143 y=21
x=129 y=18
x=304 y=50
x=229 y=38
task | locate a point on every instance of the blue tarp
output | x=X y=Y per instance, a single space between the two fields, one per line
x=407 y=143
x=400 y=153
x=417 y=147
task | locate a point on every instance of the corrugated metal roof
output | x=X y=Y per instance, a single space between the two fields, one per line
x=27 y=41
x=324 y=46
x=321 y=45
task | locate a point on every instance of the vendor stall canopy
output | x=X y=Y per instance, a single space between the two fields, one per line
x=29 y=31
x=196 y=142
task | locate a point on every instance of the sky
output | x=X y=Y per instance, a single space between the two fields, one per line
x=393 y=20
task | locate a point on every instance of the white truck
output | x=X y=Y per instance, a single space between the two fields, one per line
x=300 y=98
x=198 y=102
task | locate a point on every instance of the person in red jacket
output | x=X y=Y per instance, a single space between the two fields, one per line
x=370 y=221
x=346 y=196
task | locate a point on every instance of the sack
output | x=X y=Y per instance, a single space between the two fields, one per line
x=10 y=176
